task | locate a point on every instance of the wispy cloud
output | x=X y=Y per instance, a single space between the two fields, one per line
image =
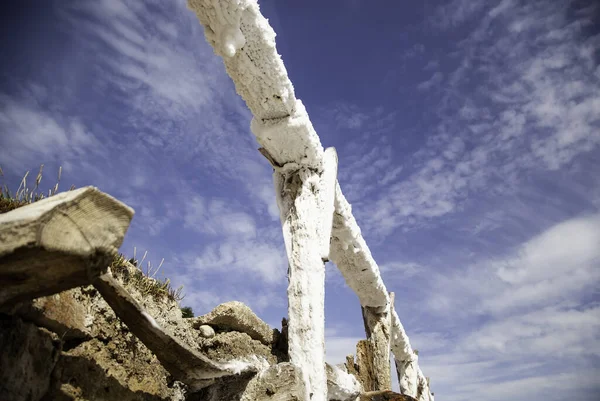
x=519 y=96
x=518 y=318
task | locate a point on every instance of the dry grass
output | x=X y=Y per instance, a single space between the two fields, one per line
x=130 y=272
x=24 y=195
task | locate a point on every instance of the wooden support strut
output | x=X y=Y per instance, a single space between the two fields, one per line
x=377 y=328
x=305 y=202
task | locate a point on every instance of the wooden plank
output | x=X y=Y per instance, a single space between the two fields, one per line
x=186 y=365
x=58 y=243
x=377 y=327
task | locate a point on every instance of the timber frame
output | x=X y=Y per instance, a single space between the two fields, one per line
x=309 y=199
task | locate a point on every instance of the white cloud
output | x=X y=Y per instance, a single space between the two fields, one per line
x=521 y=318
x=560 y=250
x=433 y=81
x=250 y=259
x=203 y=301
x=218 y=217
x=33 y=135
x=519 y=102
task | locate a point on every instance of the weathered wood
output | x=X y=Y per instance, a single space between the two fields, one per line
x=326 y=200
x=377 y=327
x=364 y=363
x=351 y=366
x=186 y=365
x=405 y=358
x=297 y=197
x=58 y=243
x=243 y=37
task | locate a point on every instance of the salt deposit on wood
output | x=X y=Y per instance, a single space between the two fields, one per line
x=243 y=37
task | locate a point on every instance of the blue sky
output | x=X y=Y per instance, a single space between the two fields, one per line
x=468 y=136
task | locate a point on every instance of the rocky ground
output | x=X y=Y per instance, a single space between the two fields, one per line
x=71 y=346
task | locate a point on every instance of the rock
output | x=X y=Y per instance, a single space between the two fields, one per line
x=235 y=316
x=205 y=331
x=27 y=360
x=183 y=362
x=234 y=345
x=341 y=386
x=123 y=370
x=281 y=382
x=64 y=314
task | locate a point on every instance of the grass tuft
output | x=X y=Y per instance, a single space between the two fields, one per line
x=131 y=273
x=24 y=195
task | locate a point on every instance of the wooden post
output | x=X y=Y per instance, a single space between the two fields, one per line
x=364 y=361
x=58 y=243
x=377 y=327
x=303 y=206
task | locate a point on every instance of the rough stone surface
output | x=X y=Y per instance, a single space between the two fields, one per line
x=341 y=386
x=183 y=362
x=235 y=316
x=65 y=313
x=232 y=345
x=281 y=382
x=100 y=358
x=123 y=369
x=28 y=356
x=96 y=357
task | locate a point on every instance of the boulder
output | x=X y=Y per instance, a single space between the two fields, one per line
x=235 y=316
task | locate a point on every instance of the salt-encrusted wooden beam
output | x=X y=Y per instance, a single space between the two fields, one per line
x=353 y=258
x=326 y=197
x=186 y=365
x=246 y=42
x=298 y=200
x=244 y=39
x=58 y=243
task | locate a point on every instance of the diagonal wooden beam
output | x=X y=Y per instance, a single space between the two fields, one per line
x=186 y=365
